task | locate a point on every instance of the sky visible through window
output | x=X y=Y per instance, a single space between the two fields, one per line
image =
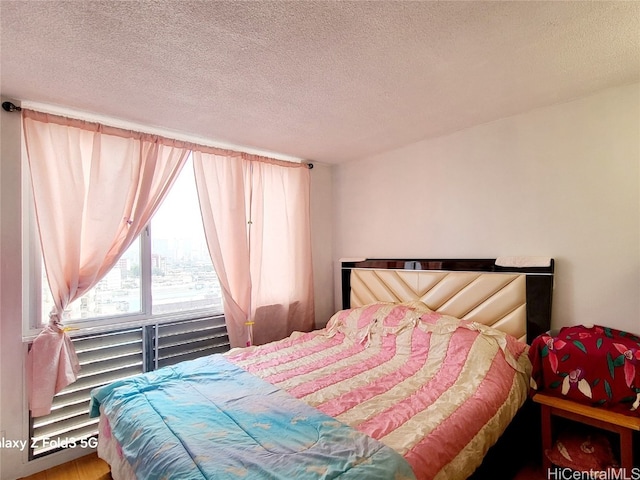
x=182 y=272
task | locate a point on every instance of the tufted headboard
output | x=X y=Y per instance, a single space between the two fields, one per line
x=515 y=300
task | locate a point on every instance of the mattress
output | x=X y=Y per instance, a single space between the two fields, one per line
x=436 y=390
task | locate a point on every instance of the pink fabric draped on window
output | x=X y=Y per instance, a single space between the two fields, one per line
x=256 y=217
x=95 y=189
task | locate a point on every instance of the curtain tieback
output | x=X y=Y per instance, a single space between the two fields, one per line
x=54 y=320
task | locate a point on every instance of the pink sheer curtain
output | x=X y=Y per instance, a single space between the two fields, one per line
x=256 y=217
x=95 y=189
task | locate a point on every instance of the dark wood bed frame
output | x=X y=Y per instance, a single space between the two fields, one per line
x=520 y=443
x=539 y=282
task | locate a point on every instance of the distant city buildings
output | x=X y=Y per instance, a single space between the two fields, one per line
x=183 y=279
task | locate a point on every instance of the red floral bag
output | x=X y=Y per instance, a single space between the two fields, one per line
x=598 y=366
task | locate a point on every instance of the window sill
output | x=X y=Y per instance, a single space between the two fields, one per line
x=117 y=323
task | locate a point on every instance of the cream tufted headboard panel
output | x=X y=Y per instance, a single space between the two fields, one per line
x=506 y=300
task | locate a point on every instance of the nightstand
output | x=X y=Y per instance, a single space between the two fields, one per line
x=623 y=425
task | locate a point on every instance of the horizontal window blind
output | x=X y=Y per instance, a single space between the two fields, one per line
x=186 y=340
x=111 y=356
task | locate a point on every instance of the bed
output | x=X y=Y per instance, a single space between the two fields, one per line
x=418 y=376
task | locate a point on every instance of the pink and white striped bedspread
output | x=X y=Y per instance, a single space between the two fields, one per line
x=437 y=389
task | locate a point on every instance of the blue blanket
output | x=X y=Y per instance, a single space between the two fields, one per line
x=209 y=419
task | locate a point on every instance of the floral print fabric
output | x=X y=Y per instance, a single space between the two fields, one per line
x=598 y=366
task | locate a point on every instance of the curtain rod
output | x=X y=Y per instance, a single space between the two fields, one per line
x=11 y=107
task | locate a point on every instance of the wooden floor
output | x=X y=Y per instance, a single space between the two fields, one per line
x=84 y=468
x=93 y=468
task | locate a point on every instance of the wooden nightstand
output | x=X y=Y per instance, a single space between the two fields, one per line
x=624 y=425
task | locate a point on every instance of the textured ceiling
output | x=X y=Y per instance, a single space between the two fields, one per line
x=318 y=80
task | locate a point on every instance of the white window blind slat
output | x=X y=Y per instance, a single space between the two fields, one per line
x=111 y=356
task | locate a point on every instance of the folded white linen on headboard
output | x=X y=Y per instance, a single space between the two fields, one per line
x=523 y=262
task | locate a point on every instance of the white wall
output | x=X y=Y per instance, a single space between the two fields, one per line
x=561 y=181
x=13 y=402
x=322 y=238
x=11 y=366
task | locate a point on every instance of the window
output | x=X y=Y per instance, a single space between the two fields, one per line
x=166 y=273
x=118 y=293
x=182 y=275
x=167 y=291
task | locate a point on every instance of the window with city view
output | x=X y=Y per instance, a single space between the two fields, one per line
x=180 y=276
